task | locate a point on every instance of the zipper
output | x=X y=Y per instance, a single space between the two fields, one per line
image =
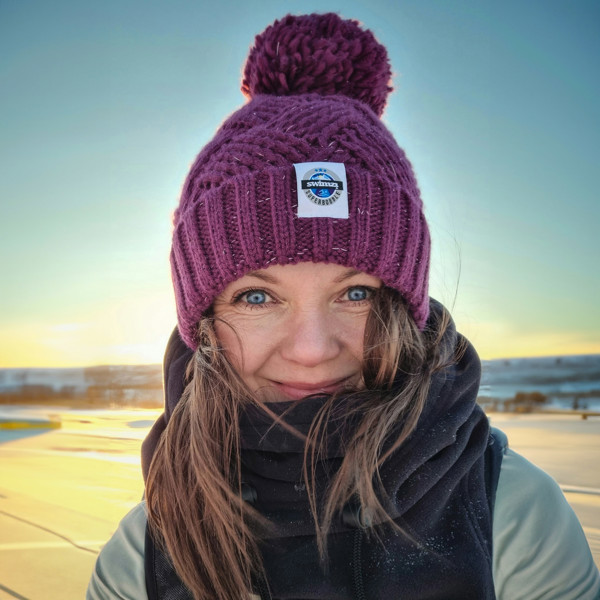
x=359 y=588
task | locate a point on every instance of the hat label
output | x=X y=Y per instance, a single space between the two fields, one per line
x=322 y=190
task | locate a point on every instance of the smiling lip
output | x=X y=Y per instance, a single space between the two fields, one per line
x=296 y=390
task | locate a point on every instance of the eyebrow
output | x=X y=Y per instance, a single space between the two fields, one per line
x=347 y=275
x=262 y=275
x=270 y=279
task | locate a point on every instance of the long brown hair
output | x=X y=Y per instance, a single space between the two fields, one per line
x=193 y=490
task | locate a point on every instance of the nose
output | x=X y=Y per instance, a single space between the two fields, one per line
x=311 y=338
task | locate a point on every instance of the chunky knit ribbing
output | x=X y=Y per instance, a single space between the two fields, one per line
x=238 y=208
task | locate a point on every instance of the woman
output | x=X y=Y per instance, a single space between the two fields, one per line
x=327 y=443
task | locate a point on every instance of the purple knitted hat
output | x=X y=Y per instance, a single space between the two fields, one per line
x=305 y=171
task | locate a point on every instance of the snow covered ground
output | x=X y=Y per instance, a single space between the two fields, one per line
x=63 y=491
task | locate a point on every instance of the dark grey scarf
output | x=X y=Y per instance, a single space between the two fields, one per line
x=435 y=484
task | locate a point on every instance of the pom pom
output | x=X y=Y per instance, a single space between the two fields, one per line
x=321 y=54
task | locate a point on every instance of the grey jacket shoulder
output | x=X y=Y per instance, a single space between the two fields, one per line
x=119 y=571
x=540 y=550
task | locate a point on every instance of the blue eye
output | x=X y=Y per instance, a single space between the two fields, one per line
x=255 y=297
x=359 y=293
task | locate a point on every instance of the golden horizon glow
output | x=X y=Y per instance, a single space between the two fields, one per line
x=495 y=340
x=135 y=333
x=131 y=332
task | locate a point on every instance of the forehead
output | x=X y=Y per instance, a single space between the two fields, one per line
x=333 y=272
x=325 y=273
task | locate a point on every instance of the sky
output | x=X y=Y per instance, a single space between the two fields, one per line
x=105 y=105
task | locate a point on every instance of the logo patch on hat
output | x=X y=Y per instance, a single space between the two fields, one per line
x=322 y=190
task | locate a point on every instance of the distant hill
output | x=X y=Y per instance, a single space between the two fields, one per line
x=566 y=381
x=114 y=385
x=563 y=380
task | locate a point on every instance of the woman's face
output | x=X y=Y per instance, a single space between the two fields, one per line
x=295 y=330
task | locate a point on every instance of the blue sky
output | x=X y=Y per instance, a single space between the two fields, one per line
x=105 y=105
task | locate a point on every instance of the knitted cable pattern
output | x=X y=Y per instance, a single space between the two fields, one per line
x=238 y=208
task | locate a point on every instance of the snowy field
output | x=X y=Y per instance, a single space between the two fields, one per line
x=63 y=491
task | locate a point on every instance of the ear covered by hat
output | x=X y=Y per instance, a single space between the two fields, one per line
x=317 y=85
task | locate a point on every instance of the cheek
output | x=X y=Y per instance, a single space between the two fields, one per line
x=354 y=334
x=231 y=343
x=243 y=346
